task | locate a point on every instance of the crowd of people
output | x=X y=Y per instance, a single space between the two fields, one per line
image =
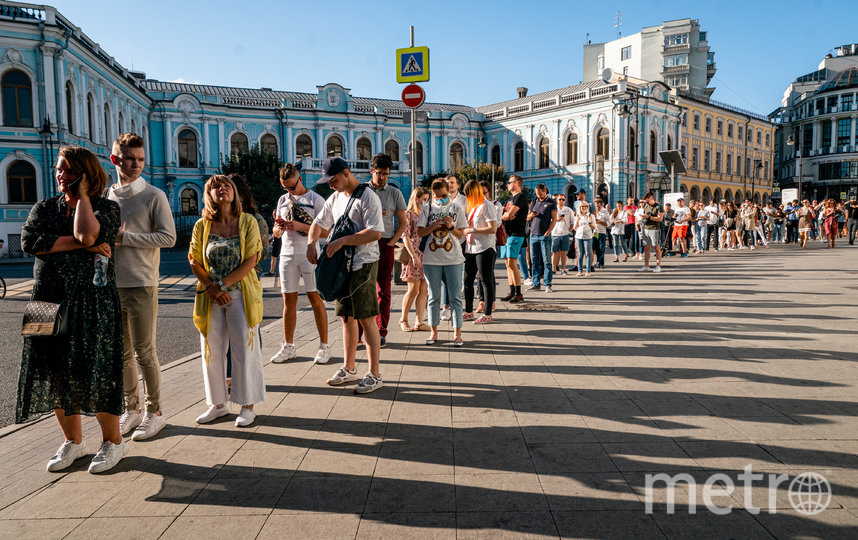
x=447 y=239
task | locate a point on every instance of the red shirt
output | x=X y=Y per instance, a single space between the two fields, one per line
x=630 y=211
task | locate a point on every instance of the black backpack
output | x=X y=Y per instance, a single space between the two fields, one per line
x=332 y=273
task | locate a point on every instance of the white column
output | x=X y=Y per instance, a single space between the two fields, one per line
x=221 y=135
x=853 y=127
x=505 y=161
x=833 y=135
x=379 y=144
x=50 y=86
x=351 y=153
x=206 y=142
x=817 y=135
x=433 y=152
x=445 y=154
x=320 y=142
x=168 y=141
x=287 y=144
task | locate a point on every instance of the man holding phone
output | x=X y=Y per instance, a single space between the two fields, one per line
x=147 y=226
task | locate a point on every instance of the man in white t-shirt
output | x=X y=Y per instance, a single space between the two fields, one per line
x=682 y=218
x=712 y=232
x=360 y=306
x=295 y=212
x=560 y=235
x=600 y=236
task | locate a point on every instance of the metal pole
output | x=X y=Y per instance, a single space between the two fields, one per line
x=413 y=136
x=799 y=172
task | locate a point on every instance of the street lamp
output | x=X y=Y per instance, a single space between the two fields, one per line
x=758 y=164
x=481 y=144
x=791 y=142
x=625 y=112
x=46 y=131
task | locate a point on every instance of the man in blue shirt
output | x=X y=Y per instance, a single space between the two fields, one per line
x=792 y=222
x=542 y=216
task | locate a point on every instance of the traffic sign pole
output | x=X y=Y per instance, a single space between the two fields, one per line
x=413 y=152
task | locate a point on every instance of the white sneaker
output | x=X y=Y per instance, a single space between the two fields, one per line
x=343 y=376
x=528 y=281
x=534 y=288
x=323 y=355
x=657 y=269
x=108 y=456
x=287 y=352
x=548 y=290
x=446 y=315
x=212 y=414
x=743 y=247
x=643 y=269
x=67 y=453
x=369 y=383
x=245 y=417
x=753 y=248
x=129 y=420
x=149 y=427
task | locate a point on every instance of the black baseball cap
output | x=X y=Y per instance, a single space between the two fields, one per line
x=332 y=167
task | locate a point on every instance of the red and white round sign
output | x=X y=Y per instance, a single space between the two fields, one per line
x=413 y=96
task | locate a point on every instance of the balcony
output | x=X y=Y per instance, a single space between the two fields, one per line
x=670 y=49
x=684 y=68
x=356 y=165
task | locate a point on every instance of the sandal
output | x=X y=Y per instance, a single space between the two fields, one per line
x=458 y=343
x=403 y=325
x=481 y=307
x=422 y=327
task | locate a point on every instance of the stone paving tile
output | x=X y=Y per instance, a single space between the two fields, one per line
x=503 y=492
x=152 y=495
x=517 y=524
x=336 y=494
x=310 y=525
x=62 y=501
x=44 y=529
x=730 y=455
x=228 y=527
x=412 y=493
x=608 y=524
x=830 y=524
x=571 y=458
x=419 y=526
x=588 y=491
x=233 y=494
x=141 y=528
x=736 y=524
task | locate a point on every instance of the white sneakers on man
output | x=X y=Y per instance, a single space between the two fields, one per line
x=150 y=426
x=108 y=456
x=67 y=454
x=323 y=355
x=129 y=420
x=287 y=352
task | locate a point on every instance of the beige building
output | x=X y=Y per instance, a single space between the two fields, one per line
x=728 y=152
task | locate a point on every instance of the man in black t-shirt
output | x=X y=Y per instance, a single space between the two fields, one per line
x=514 y=220
x=851 y=209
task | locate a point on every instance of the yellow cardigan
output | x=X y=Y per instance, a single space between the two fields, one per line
x=251 y=289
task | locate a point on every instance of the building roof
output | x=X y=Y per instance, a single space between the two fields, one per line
x=541 y=96
x=848 y=78
x=280 y=95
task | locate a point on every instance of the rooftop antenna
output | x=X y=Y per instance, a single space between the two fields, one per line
x=588 y=38
x=619 y=23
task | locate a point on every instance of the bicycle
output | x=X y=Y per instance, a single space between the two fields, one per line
x=2 y=287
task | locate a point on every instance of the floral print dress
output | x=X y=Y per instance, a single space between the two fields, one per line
x=410 y=272
x=80 y=373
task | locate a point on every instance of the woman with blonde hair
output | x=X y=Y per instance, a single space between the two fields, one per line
x=412 y=271
x=225 y=247
x=480 y=254
x=584 y=225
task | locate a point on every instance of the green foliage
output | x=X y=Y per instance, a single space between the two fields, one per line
x=470 y=172
x=427 y=180
x=261 y=170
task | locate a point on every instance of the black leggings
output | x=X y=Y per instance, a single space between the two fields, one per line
x=482 y=264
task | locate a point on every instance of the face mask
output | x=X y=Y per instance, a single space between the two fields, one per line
x=443 y=201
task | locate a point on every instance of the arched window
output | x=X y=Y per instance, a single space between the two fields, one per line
x=120 y=121
x=718 y=195
x=669 y=143
x=683 y=188
x=90 y=116
x=707 y=195
x=187 y=148
x=268 y=144
x=457 y=157
x=632 y=140
x=391 y=148
x=496 y=159
x=21 y=183
x=107 y=132
x=603 y=144
x=364 y=149
x=757 y=197
x=303 y=147
x=335 y=146
x=543 y=153
x=418 y=156
x=728 y=196
x=133 y=126
x=653 y=147
x=17 y=99
x=695 y=193
x=190 y=202
x=738 y=198
x=518 y=156
x=633 y=190
x=69 y=107
x=572 y=149
x=238 y=144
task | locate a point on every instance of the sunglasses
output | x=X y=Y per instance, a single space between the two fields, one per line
x=294 y=186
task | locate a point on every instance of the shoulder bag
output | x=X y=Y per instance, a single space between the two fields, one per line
x=332 y=273
x=46 y=319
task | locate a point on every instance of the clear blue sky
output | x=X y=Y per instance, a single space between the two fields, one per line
x=480 y=51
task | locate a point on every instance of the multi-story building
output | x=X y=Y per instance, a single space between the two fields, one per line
x=728 y=152
x=816 y=148
x=674 y=52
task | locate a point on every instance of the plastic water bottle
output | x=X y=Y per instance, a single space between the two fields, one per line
x=100 y=277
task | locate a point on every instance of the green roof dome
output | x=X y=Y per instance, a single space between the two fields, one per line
x=848 y=78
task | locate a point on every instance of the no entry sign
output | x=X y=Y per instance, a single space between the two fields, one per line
x=413 y=96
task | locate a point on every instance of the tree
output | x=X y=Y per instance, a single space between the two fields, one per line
x=470 y=172
x=261 y=171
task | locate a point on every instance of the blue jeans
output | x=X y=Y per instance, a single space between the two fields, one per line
x=540 y=256
x=599 y=247
x=777 y=232
x=700 y=232
x=452 y=275
x=522 y=262
x=620 y=245
x=584 y=250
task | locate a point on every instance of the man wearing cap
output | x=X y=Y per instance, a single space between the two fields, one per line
x=360 y=305
x=712 y=231
x=682 y=216
x=651 y=217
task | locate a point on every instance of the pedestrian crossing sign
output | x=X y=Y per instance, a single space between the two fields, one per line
x=412 y=64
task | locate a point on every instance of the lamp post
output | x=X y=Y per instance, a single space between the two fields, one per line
x=758 y=164
x=480 y=145
x=46 y=131
x=790 y=142
x=625 y=113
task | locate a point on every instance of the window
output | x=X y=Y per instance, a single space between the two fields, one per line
x=303 y=147
x=625 y=70
x=846 y=102
x=238 y=144
x=729 y=164
x=457 y=157
x=748 y=171
x=391 y=148
x=543 y=153
x=695 y=157
x=683 y=152
x=728 y=195
x=696 y=124
x=740 y=133
x=739 y=164
x=364 y=149
x=685 y=120
x=730 y=130
x=572 y=149
x=719 y=128
x=843 y=128
x=134 y=126
x=718 y=195
x=69 y=107
x=90 y=117
x=335 y=146
x=695 y=193
x=717 y=162
x=187 y=148
x=750 y=134
x=603 y=143
x=107 y=134
x=768 y=139
x=807 y=139
x=495 y=156
x=702 y=36
x=632 y=141
x=190 y=205
x=675 y=39
x=669 y=143
x=678 y=80
x=766 y=170
x=707 y=156
x=268 y=144
x=17 y=99
x=120 y=122
x=626 y=53
x=826 y=134
x=676 y=60
x=653 y=147
x=708 y=125
x=21 y=183
x=518 y=156
x=418 y=157
x=759 y=137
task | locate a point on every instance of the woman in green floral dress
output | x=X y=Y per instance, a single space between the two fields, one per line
x=81 y=372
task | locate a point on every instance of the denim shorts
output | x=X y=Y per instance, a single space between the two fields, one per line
x=560 y=243
x=512 y=247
